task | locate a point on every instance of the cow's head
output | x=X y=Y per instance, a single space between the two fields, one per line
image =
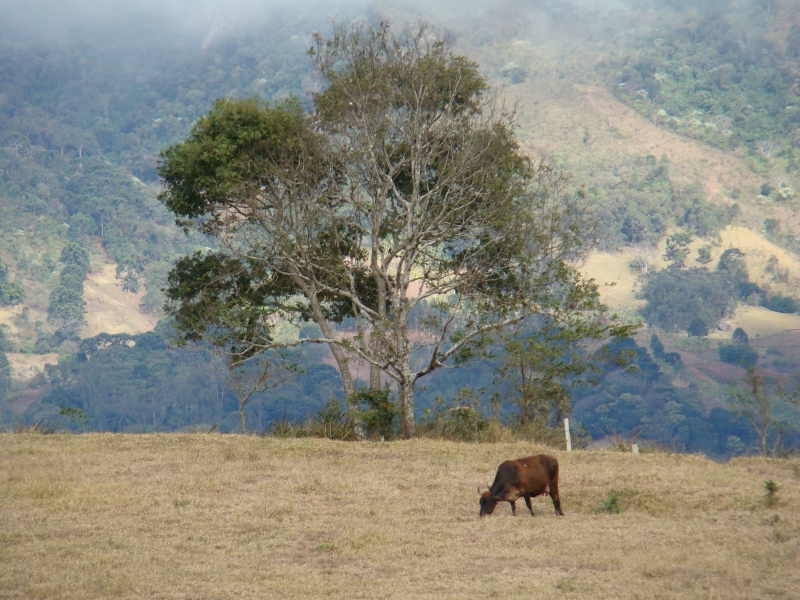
x=488 y=504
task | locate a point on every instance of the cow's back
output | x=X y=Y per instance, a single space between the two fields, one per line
x=530 y=475
x=536 y=472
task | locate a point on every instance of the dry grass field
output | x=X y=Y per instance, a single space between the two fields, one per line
x=213 y=516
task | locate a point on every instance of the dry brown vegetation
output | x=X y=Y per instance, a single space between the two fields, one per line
x=212 y=516
x=109 y=309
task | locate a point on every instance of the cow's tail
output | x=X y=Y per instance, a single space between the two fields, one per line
x=552 y=469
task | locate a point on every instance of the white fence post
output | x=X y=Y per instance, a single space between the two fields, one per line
x=568 y=436
x=635 y=448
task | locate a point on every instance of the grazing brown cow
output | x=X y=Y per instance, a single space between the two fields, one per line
x=526 y=477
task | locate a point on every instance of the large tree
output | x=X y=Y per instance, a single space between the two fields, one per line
x=404 y=193
x=259 y=179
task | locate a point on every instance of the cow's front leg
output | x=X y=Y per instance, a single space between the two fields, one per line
x=528 y=503
x=513 y=507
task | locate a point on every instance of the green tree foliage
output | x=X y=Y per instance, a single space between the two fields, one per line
x=450 y=205
x=675 y=297
x=732 y=261
x=641 y=399
x=72 y=276
x=640 y=204
x=657 y=347
x=738 y=354
x=704 y=255
x=137 y=383
x=782 y=304
x=5 y=368
x=678 y=248
x=740 y=337
x=66 y=310
x=75 y=254
x=725 y=78
x=83 y=119
x=543 y=361
x=731 y=265
x=764 y=404
x=673 y=359
x=10 y=293
x=378 y=412
x=697 y=328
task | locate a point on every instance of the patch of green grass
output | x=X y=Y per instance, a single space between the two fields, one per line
x=610 y=505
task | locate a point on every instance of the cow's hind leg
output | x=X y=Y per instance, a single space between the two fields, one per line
x=528 y=503
x=555 y=497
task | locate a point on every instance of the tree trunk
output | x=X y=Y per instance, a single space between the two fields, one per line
x=344 y=369
x=349 y=389
x=405 y=392
x=374 y=371
x=374 y=378
x=242 y=417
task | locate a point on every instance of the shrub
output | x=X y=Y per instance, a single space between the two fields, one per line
x=610 y=504
x=453 y=421
x=11 y=294
x=771 y=492
x=677 y=296
x=704 y=255
x=697 y=328
x=331 y=421
x=782 y=304
x=378 y=412
x=75 y=254
x=745 y=289
x=73 y=269
x=46 y=343
x=738 y=354
x=740 y=337
x=657 y=347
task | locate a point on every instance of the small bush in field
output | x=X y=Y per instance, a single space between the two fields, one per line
x=610 y=504
x=771 y=492
x=378 y=412
x=459 y=421
x=331 y=421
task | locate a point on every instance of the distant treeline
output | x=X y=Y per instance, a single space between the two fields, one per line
x=139 y=384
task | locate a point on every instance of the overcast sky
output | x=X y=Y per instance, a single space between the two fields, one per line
x=70 y=19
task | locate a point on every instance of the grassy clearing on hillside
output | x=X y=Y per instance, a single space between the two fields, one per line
x=590 y=129
x=757 y=321
x=109 y=309
x=605 y=269
x=212 y=516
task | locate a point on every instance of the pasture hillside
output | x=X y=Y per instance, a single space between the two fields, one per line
x=213 y=516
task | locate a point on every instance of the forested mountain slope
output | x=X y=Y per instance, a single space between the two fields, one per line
x=674 y=118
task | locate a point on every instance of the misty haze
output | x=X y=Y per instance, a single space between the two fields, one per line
x=455 y=232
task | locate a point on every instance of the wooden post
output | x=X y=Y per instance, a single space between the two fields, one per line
x=567 y=435
x=635 y=448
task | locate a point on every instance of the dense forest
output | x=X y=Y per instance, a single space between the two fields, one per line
x=85 y=115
